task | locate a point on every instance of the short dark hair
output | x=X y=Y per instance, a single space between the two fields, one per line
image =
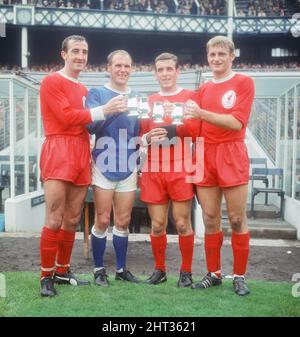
x=167 y=56
x=65 y=43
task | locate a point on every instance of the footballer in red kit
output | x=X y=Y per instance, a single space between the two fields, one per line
x=224 y=105
x=230 y=96
x=64 y=162
x=65 y=131
x=167 y=183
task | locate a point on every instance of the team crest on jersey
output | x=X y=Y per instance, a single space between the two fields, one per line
x=83 y=101
x=228 y=99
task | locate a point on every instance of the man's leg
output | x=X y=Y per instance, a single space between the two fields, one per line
x=210 y=199
x=103 y=204
x=158 y=237
x=122 y=206
x=66 y=236
x=236 y=201
x=55 y=200
x=182 y=217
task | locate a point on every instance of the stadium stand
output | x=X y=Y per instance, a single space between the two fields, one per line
x=145 y=67
x=266 y=7
x=186 y=7
x=155 y=6
x=259 y=8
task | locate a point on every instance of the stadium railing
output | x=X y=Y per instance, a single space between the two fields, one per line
x=259 y=161
x=276 y=187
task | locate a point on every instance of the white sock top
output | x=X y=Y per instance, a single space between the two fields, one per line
x=117 y=232
x=98 y=234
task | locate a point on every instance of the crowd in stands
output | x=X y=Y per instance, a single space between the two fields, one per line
x=186 y=7
x=262 y=8
x=258 y=8
x=142 y=67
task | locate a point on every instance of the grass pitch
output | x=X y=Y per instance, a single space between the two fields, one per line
x=122 y=299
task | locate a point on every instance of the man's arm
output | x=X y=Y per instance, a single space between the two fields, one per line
x=224 y=121
x=238 y=116
x=53 y=97
x=149 y=135
x=115 y=105
x=93 y=100
x=154 y=135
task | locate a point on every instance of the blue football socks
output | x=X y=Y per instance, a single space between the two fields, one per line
x=120 y=242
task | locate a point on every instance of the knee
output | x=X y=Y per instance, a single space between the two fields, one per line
x=158 y=228
x=72 y=220
x=211 y=222
x=55 y=213
x=102 y=220
x=55 y=219
x=237 y=222
x=122 y=222
x=183 y=226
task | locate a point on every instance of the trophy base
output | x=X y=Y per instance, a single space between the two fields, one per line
x=177 y=122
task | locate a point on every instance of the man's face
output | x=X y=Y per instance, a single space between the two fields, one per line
x=166 y=74
x=119 y=69
x=76 y=56
x=220 y=60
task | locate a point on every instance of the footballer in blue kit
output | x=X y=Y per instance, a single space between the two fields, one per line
x=114 y=167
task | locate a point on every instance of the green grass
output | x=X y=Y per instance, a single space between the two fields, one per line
x=140 y=300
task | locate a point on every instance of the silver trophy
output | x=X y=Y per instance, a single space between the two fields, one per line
x=177 y=113
x=158 y=112
x=144 y=108
x=133 y=105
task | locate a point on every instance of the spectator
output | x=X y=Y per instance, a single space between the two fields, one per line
x=251 y=4
x=241 y=13
x=186 y=7
x=142 y=6
x=145 y=67
x=251 y=11
x=203 y=11
x=261 y=12
x=162 y=7
x=126 y=6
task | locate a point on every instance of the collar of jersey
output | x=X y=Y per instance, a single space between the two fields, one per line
x=225 y=79
x=128 y=91
x=177 y=91
x=68 y=77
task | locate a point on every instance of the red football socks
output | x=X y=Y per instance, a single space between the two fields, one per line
x=64 y=251
x=240 y=249
x=212 y=246
x=159 y=246
x=186 y=245
x=48 y=250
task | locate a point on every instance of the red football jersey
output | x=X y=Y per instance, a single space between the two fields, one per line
x=62 y=106
x=182 y=95
x=233 y=96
